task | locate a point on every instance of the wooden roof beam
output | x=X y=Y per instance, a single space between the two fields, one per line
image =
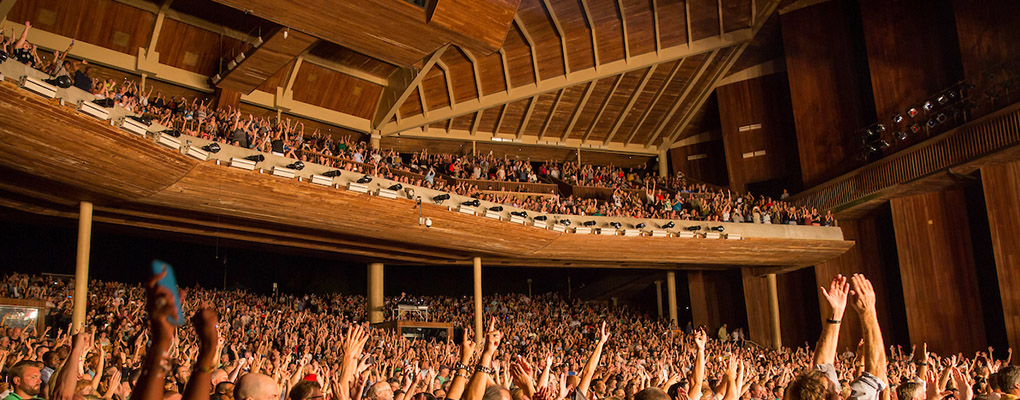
x=552 y=112
x=687 y=21
x=578 y=110
x=499 y=122
x=527 y=116
x=591 y=28
x=602 y=108
x=651 y=105
x=421 y=97
x=448 y=78
x=721 y=27
x=506 y=69
x=655 y=23
x=560 y=32
x=531 y=45
x=475 y=122
x=630 y=103
x=403 y=81
x=610 y=69
x=623 y=27
x=262 y=62
x=683 y=97
x=474 y=66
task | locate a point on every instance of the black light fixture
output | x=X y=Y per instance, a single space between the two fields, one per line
x=719 y=228
x=640 y=226
x=912 y=112
x=410 y=194
x=668 y=225
x=616 y=225
x=364 y=179
x=441 y=198
x=882 y=144
x=212 y=147
x=541 y=218
x=928 y=106
x=693 y=228
x=472 y=203
x=900 y=135
x=296 y=165
x=565 y=222
x=522 y=214
x=915 y=128
x=331 y=174
x=496 y=208
x=941 y=118
x=932 y=122
x=589 y=223
x=256 y=158
x=395 y=187
x=897 y=118
x=942 y=99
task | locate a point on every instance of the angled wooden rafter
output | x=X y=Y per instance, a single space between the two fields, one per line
x=477 y=72
x=577 y=111
x=577 y=77
x=403 y=81
x=630 y=103
x=655 y=22
x=527 y=116
x=560 y=32
x=591 y=28
x=623 y=29
x=499 y=122
x=448 y=78
x=531 y=46
x=552 y=112
x=475 y=122
x=651 y=105
x=421 y=97
x=506 y=68
x=602 y=108
x=683 y=97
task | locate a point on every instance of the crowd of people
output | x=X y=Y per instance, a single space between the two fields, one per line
x=241 y=345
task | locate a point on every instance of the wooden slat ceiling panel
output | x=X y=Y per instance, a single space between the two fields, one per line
x=568 y=103
x=222 y=15
x=462 y=122
x=616 y=103
x=640 y=26
x=518 y=58
x=279 y=49
x=547 y=43
x=195 y=49
x=279 y=79
x=542 y=110
x=706 y=118
x=330 y=89
x=736 y=14
x=490 y=68
x=412 y=106
x=608 y=30
x=488 y=119
x=514 y=116
x=644 y=100
x=661 y=108
x=672 y=22
x=673 y=124
x=434 y=86
x=767 y=45
x=571 y=17
x=462 y=75
x=598 y=95
x=350 y=58
x=104 y=23
x=704 y=18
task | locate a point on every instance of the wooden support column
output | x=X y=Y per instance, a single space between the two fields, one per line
x=940 y=290
x=479 y=330
x=375 y=300
x=81 y=268
x=658 y=297
x=1002 y=199
x=773 y=289
x=671 y=296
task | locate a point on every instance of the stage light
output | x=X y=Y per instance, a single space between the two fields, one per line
x=915 y=128
x=942 y=99
x=496 y=208
x=616 y=225
x=565 y=222
x=912 y=112
x=928 y=106
x=719 y=228
x=668 y=225
x=941 y=118
x=879 y=128
x=296 y=165
x=410 y=194
x=897 y=118
x=522 y=214
x=693 y=228
x=589 y=223
x=331 y=174
x=212 y=147
x=541 y=218
x=256 y=158
x=932 y=122
x=472 y=203
x=441 y=198
x=395 y=187
x=641 y=225
x=364 y=179
x=900 y=135
x=882 y=144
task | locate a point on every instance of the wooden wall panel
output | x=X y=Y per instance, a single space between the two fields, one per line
x=743 y=105
x=798 y=306
x=864 y=258
x=716 y=300
x=711 y=168
x=826 y=89
x=104 y=23
x=1002 y=197
x=330 y=89
x=195 y=49
x=912 y=51
x=756 y=299
x=987 y=37
x=937 y=272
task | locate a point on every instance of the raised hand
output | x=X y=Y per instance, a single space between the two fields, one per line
x=963 y=384
x=837 y=295
x=603 y=333
x=700 y=339
x=864 y=295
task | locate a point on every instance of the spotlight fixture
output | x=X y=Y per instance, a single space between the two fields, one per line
x=395 y=187
x=522 y=214
x=882 y=144
x=441 y=198
x=256 y=158
x=941 y=118
x=897 y=118
x=719 y=228
x=932 y=122
x=900 y=135
x=589 y=223
x=331 y=174
x=410 y=195
x=915 y=128
x=472 y=203
x=641 y=225
x=296 y=165
x=496 y=208
x=912 y=112
x=212 y=147
x=364 y=179
x=878 y=128
x=928 y=106
x=565 y=222
x=693 y=228
x=616 y=225
x=541 y=218
x=668 y=225
x=942 y=99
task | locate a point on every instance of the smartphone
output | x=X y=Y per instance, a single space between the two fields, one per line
x=169 y=281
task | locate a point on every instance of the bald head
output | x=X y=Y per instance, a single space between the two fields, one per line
x=256 y=387
x=379 y=391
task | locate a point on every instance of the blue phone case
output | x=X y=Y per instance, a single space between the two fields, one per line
x=169 y=281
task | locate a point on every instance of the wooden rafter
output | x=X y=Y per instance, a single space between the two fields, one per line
x=721 y=26
x=687 y=21
x=499 y=122
x=506 y=69
x=683 y=97
x=448 y=78
x=552 y=84
x=475 y=122
x=623 y=28
x=630 y=103
x=421 y=96
x=531 y=45
x=651 y=105
x=578 y=110
x=527 y=116
x=602 y=108
x=560 y=32
x=403 y=81
x=655 y=22
x=552 y=112
x=477 y=72
x=591 y=27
